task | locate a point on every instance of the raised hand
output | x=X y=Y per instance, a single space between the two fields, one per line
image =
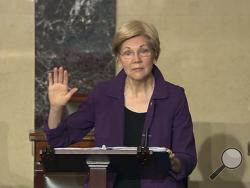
x=58 y=91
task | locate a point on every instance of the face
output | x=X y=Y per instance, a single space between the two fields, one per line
x=136 y=58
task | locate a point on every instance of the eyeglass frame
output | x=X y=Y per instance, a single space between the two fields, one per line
x=138 y=52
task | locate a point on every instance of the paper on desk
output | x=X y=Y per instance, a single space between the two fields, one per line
x=121 y=148
x=154 y=149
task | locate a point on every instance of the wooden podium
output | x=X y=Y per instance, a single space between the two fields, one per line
x=39 y=142
x=100 y=161
x=95 y=160
x=91 y=164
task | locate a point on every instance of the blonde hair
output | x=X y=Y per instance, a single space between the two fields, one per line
x=136 y=28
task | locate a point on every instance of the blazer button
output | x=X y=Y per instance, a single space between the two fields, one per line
x=151 y=103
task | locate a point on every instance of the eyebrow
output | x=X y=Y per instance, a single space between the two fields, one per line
x=127 y=47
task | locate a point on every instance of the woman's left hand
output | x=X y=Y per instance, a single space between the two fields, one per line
x=174 y=161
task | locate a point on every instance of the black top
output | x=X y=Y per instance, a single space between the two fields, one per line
x=134 y=123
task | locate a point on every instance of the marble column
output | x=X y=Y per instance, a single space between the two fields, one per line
x=77 y=35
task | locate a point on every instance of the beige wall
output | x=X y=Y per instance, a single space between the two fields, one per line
x=205 y=49
x=16 y=92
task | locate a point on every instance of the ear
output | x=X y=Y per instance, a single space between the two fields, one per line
x=118 y=62
x=154 y=60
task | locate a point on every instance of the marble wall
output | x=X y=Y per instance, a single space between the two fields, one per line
x=76 y=35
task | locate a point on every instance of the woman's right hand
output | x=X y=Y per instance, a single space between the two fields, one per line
x=58 y=91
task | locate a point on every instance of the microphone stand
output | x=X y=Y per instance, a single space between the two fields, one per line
x=143 y=152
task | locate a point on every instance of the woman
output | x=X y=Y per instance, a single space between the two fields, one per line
x=121 y=109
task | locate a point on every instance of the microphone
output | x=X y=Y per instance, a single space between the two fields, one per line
x=145 y=145
x=143 y=152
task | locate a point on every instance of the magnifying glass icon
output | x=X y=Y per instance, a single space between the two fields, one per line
x=231 y=158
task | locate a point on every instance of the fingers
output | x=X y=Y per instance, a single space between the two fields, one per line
x=66 y=77
x=58 y=75
x=169 y=151
x=50 y=79
x=55 y=76
x=174 y=161
x=171 y=156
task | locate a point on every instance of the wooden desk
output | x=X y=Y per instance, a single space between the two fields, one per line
x=39 y=140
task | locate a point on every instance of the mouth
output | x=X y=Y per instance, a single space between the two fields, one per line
x=137 y=69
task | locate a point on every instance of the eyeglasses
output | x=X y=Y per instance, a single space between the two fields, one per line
x=142 y=52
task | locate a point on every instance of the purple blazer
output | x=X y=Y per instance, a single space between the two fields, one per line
x=168 y=119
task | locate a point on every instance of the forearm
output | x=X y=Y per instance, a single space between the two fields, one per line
x=55 y=116
x=62 y=133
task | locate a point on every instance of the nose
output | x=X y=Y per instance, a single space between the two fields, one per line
x=137 y=57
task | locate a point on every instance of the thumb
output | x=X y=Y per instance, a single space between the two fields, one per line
x=72 y=92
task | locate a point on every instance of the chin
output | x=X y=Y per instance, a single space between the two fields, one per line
x=138 y=77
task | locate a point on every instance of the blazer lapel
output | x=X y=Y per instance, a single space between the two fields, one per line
x=159 y=93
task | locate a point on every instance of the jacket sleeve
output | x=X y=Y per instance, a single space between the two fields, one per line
x=74 y=127
x=183 y=143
